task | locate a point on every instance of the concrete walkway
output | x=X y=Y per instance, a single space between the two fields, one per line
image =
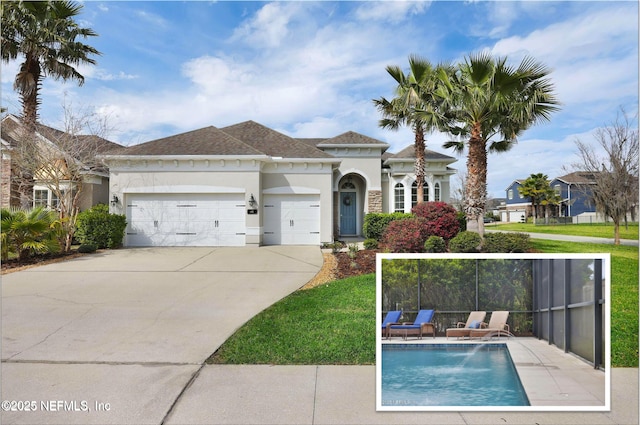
x=569 y=238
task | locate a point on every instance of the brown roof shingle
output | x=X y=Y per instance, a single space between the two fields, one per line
x=352 y=138
x=409 y=153
x=272 y=142
x=205 y=141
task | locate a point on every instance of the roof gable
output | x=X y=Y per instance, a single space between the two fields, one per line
x=271 y=142
x=352 y=138
x=409 y=154
x=578 y=177
x=205 y=141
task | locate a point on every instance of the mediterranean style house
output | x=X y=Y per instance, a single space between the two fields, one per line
x=54 y=146
x=247 y=184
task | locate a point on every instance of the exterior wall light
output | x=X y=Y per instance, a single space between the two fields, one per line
x=252 y=201
x=114 y=200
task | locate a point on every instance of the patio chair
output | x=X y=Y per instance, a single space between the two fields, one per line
x=391 y=318
x=463 y=329
x=421 y=326
x=497 y=326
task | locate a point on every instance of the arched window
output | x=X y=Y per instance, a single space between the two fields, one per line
x=436 y=192
x=398 y=197
x=414 y=193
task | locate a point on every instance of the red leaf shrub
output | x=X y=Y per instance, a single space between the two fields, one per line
x=407 y=235
x=441 y=218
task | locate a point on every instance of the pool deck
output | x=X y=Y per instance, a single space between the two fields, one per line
x=552 y=379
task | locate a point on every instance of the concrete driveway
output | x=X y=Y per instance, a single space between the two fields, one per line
x=116 y=336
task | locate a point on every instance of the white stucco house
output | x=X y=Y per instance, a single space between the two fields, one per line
x=247 y=184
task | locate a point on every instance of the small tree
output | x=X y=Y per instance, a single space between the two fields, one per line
x=537 y=188
x=614 y=171
x=62 y=161
x=27 y=232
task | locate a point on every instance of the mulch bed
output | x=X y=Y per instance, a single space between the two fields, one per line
x=364 y=263
x=13 y=265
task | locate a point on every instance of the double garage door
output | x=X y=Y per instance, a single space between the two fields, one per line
x=186 y=219
x=291 y=219
x=219 y=219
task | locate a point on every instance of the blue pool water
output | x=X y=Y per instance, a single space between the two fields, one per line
x=449 y=375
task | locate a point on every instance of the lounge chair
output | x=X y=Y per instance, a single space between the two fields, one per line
x=421 y=326
x=463 y=329
x=392 y=317
x=497 y=326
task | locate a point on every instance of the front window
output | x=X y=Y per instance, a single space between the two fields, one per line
x=557 y=189
x=436 y=190
x=399 y=198
x=40 y=198
x=510 y=194
x=414 y=193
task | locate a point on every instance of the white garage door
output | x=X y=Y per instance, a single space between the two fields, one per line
x=185 y=220
x=516 y=216
x=291 y=220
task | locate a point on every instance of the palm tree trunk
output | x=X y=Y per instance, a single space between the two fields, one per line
x=29 y=93
x=419 y=170
x=476 y=181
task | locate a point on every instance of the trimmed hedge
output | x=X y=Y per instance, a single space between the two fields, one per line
x=96 y=226
x=375 y=223
x=465 y=242
x=506 y=242
x=435 y=244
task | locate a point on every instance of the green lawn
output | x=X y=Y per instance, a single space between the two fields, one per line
x=594 y=230
x=335 y=323
x=329 y=324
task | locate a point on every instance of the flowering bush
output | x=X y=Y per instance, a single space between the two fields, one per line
x=441 y=217
x=407 y=235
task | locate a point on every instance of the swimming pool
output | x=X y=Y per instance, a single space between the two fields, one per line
x=449 y=375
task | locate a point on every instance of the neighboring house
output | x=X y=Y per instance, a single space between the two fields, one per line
x=95 y=181
x=247 y=184
x=574 y=189
x=517 y=207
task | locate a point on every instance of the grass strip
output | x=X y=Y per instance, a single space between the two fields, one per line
x=329 y=324
x=599 y=230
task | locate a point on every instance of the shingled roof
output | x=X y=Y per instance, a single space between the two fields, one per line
x=272 y=142
x=578 y=177
x=352 y=138
x=409 y=154
x=205 y=141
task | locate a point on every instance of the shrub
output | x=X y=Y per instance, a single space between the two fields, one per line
x=96 y=226
x=462 y=220
x=441 y=217
x=465 y=242
x=406 y=235
x=435 y=244
x=506 y=242
x=87 y=249
x=375 y=223
x=370 y=244
x=27 y=232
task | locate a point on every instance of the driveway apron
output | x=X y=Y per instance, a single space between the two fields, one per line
x=128 y=329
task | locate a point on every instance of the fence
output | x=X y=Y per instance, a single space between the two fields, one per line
x=556 y=299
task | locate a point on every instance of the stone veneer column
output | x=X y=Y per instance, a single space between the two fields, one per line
x=375 y=201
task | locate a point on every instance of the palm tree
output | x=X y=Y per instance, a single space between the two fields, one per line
x=45 y=34
x=493 y=103
x=26 y=232
x=536 y=188
x=415 y=105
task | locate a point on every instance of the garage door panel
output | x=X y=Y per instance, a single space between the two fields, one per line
x=186 y=220
x=291 y=220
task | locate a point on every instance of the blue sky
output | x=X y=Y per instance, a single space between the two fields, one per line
x=311 y=69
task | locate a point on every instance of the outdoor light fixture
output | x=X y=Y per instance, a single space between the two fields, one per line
x=114 y=200
x=252 y=201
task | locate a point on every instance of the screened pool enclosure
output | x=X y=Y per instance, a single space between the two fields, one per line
x=560 y=299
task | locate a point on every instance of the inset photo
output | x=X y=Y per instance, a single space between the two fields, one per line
x=493 y=332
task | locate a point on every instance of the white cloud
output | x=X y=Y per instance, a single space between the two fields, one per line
x=269 y=26
x=390 y=11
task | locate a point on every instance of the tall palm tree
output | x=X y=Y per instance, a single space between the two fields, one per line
x=536 y=188
x=415 y=105
x=45 y=34
x=493 y=104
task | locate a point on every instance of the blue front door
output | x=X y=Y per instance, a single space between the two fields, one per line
x=348 y=213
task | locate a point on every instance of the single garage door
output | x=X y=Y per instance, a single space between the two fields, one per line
x=291 y=220
x=186 y=219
